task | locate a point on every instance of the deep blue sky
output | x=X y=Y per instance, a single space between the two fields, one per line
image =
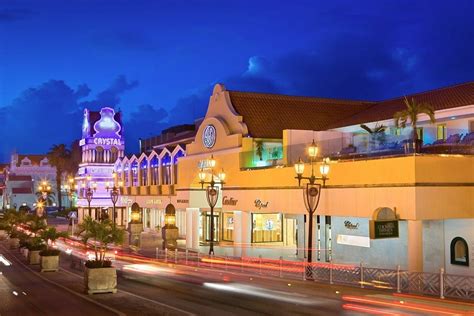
x=152 y=57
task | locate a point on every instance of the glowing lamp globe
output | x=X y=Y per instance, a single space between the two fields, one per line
x=324 y=168
x=299 y=167
x=313 y=150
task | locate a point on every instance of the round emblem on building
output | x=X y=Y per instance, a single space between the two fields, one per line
x=209 y=136
x=313 y=191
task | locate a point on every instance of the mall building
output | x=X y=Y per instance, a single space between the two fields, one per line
x=383 y=205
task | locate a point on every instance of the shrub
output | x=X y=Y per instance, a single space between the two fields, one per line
x=49 y=252
x=35 y=243
x=96 y=264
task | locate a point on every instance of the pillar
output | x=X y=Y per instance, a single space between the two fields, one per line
x=415 y=246
x=242 y=233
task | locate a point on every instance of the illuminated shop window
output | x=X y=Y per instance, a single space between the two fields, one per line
x=127 y=178
x=228 y=226
x=459 y=252
x=267 y=228
x=441 y=132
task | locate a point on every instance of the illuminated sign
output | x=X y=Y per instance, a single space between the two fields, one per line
x=107 y=126
x=209 y=136
x=351 y=225
x=107 y=141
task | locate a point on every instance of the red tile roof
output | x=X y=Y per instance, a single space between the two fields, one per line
x=21 y=191
x=267 y=115
x=439 y=99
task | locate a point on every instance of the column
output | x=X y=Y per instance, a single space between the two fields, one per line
x=242 y=233
x=415 y=246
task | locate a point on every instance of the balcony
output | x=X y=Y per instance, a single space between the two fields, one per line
x=352 y=146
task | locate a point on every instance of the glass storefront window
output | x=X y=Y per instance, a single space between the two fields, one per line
x=267 y=228
x=205 y=227
x=228 y=226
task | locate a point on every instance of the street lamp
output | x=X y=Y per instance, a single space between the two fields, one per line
x=114 y=192
x=45 y=189
x=70 y=189
x=212 y=193
x=312 y=190
x=89 y=191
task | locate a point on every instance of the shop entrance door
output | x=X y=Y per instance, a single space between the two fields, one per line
x=207 y=227
x=291 y=232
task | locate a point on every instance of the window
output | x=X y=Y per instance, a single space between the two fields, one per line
x=143 y=172
x=471 y=126
x=228 y=226
x=154 y=170
x=459 y=252
x=441 y=132
x=396 y=131
x=99 y=154
x=166 y=169
x=419 y=131
x=127 y=178
x=134 y=167
x=267 y=228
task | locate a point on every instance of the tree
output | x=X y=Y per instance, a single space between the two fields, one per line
x=376 y=134
x=59 y=157
x=413 y=109
x=103 y=233
x=47 y=199
x=35 y=224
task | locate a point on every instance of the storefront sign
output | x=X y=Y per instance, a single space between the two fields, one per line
x=107 y=141
x=229 y=201
x=359 y=241
x=153 y=202
x=260 y=204
x=350 y=225
x=182 y=201
x=383 y=229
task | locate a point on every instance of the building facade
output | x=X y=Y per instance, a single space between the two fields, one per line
x=384 y=205
x=102 y=144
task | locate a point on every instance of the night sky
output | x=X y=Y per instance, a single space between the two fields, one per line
x=158 y=60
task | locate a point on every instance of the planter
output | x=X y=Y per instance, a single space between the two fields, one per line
x=49 y=263
x=100 y=280
x=14 y=243
x=24 y=251
x=34 y=257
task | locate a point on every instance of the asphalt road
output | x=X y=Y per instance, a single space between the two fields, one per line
x=23 y=292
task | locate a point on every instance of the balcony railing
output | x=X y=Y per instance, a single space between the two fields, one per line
x=365 y=146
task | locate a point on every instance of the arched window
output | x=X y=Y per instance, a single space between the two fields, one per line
x=154 y=170
x=113 y=154
x=125 y=171
x=99 y=154
x=134 y=167
x=180 y=153
x=144 y=172
x=166 y=169
x=459 y=252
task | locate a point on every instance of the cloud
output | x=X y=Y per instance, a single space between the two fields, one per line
x=12 y=15
x=51 y=113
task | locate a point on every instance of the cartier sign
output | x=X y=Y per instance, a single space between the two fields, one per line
x=229 y=201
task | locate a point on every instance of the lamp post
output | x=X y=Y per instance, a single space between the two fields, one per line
x=114 y=192
x=89 y=191
x=312 y=190
x=45 y=190
x=70 y=190
x=212 y=193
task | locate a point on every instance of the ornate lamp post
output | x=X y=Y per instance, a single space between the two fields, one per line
x=45 y=190
x=114 y=192
x=89 y=191
x=312 y=190
x=212 y=193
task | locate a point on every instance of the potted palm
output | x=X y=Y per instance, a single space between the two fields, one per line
x=36 y=244
x=99 y=275
x=50 y=256
x=413 y=109
x=11 y=219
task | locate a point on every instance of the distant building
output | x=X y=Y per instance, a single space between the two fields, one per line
x=170 y=136
x=21 y=178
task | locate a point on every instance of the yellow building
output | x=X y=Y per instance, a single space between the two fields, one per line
x=383 y=205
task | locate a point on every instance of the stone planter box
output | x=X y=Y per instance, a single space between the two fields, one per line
x=3 y=234
x=24 y=251
x=100 y=280
x=14 y=243
x=49 y=263
x=34 y=257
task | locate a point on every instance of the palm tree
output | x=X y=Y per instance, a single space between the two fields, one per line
x=413 y=109
x=376 y=134
x=47 y=199
x=58 y=157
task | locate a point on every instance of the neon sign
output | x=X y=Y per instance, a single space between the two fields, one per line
x=107 y=141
